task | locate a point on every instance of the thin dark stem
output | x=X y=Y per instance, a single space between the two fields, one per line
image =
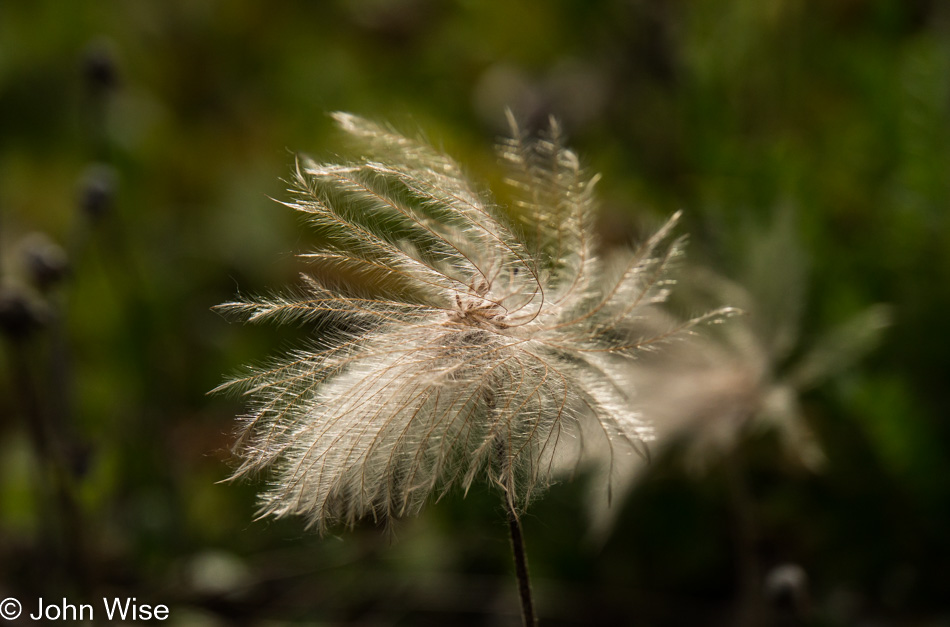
x=514 y=523
x=521 y=566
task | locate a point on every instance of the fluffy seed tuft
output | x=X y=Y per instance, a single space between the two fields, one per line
x=482 y=353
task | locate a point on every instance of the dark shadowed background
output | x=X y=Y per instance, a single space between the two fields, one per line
x=141 y=142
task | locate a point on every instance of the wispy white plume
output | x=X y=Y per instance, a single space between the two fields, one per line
x=478 y=352
x=708 y=391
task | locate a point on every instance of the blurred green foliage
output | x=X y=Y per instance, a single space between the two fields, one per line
x=836 y=111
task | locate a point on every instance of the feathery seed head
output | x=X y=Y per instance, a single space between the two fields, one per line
x=480 y=352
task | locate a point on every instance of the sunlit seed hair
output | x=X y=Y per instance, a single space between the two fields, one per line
x=480 y=352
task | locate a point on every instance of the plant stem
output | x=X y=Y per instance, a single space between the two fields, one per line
x=521 y=566
x=514 y=525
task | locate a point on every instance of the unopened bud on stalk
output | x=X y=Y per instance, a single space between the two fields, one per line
x=786 y=588
x=97 y=191
x=45 y=261
x=20 y=316
x=99 y=67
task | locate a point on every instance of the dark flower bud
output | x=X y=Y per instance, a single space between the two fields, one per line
x=786 y=588
x=97 y=191
x=99 y=67
x=78 y=457
x=19 y=316
x=44 y=260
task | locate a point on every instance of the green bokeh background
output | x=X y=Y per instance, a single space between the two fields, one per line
x=835 y=111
